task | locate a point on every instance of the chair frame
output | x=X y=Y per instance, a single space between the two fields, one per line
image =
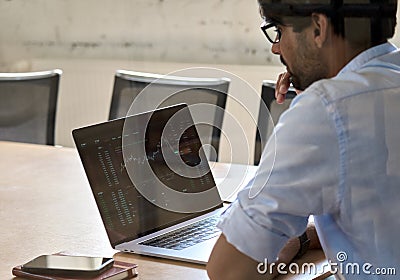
x=159 y=79
x=149 y=78
x=267 y=97
x=54 y=76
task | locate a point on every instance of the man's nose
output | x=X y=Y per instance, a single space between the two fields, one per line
x=275 y=49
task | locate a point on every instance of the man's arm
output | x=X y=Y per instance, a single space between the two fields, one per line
x=228 y=263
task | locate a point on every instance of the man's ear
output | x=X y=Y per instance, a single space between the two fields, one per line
x=320 y=24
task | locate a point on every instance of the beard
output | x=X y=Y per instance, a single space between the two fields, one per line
x=306 y=67
x=298 y=83
x=294 y=79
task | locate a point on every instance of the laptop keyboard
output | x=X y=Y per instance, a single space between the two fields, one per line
x=187 y=236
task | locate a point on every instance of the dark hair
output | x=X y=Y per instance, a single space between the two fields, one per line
x=347 y=18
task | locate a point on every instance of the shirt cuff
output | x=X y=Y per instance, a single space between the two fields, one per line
x=248 y=237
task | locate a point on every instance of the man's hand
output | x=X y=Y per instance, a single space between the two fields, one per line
x=282 y=87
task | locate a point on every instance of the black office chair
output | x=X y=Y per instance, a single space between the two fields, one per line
x=28 y=106
x=267 y=119
x=170 y=90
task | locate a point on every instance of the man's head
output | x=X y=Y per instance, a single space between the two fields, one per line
x=316 y=38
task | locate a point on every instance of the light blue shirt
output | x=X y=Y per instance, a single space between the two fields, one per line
x=334 y=154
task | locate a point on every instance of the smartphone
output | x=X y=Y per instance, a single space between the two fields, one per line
x=68 y=265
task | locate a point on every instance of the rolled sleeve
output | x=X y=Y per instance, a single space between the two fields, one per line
x=244 y=233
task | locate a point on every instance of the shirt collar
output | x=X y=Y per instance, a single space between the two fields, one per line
x=367 y=55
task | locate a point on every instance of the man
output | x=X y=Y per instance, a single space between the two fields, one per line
x=337 y=146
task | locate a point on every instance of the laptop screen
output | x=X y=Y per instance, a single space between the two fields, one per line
x=136 y=166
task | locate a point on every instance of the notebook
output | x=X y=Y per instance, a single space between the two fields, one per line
x=152 y=184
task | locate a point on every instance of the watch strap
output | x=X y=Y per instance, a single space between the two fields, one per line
x=304 y=244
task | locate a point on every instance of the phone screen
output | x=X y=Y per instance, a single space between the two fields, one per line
x=68 y=264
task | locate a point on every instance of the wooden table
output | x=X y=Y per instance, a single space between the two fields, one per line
x=46 y=206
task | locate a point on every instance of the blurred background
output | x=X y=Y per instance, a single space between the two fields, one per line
x=207 y=31
x=90 y=39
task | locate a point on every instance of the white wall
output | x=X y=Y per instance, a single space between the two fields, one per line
x=206 y=31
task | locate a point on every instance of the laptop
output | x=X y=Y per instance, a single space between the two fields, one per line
x=152 y=184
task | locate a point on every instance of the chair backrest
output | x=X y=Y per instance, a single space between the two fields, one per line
x=268 y=118
x=28 y=106
x=171 y=90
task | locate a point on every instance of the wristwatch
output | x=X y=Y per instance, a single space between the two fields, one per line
x=304 y=244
